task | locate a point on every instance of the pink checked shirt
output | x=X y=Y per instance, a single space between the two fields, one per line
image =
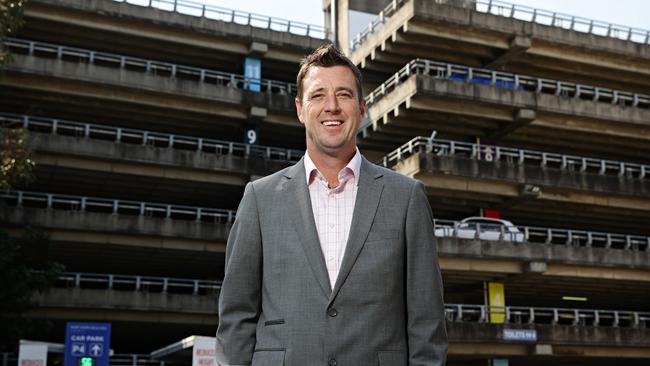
x=333 y=210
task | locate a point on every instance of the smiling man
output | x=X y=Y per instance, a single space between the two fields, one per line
x=332 y=261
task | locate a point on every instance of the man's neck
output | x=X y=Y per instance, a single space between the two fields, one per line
x=330 y=166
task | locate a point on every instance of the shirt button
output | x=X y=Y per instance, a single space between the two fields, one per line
x=332 y=362
x=332 y=312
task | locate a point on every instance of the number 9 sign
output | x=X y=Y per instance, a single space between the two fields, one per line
x=251 y=136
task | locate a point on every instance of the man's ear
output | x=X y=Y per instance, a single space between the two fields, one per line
x=298 y=102
x=362 y=108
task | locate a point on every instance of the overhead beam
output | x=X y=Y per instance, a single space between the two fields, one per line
x=518 y=46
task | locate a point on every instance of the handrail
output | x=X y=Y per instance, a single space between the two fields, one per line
x=454 y=312
x=136 y=283
x=494 y=154
x=466 y=74
x=544 y=315
x=118 y=359
x=158 y=68
x=117 y=206
x=235 y=16
x=524 y=13
x=555 y=236
x=133 y=359
x=147 y=138
x=531 y=234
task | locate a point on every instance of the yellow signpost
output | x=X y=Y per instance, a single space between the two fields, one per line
x=496 y=302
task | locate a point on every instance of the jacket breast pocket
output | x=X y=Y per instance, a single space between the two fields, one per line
x=392 y=358
x=382 y=235
x=264 y=357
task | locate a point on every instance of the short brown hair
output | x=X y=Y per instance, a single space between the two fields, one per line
x=327 y=55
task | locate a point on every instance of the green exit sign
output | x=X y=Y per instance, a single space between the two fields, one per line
x=86 y=361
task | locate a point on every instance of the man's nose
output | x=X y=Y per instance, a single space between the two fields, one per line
x=332 y=104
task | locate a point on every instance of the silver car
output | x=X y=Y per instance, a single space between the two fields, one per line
x=487 y=228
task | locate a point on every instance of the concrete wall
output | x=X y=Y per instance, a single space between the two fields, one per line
x=127 y=14
x=115 y=224
x=197 y=165
x=529 y=252
x=530 y=174
x=548 y=103
x=102 y=78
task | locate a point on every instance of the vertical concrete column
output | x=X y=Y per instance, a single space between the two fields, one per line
x=329 y=15
x=342 y=8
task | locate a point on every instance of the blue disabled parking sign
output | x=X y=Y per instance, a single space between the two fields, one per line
x=87 y=344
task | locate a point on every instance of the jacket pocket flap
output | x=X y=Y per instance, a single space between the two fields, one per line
x=392 y=358
x=375 y=235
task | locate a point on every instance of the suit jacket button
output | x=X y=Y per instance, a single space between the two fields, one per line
x=332 y=312
x=331 y=362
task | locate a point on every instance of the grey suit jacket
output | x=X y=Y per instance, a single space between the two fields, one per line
x=277 y=306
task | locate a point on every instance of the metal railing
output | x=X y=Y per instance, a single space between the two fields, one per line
x=147 y=138
x=233 y=16
x=158 y=68
x=531 y=234
x=460 y=73
x=550 y=236
x=133 y=359
x=524 y=13
x=453 y=312
x=118 y=359
x=376 y=23
x=116 y=206
x=137 y=283
x=565 y=21
x=552 y=316
x=510 y=155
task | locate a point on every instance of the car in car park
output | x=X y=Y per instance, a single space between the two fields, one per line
x=487 y=229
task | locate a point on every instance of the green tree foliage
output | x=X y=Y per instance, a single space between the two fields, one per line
x=11 y=18
x=24 y=270
x=16 y=165
x=24 y=265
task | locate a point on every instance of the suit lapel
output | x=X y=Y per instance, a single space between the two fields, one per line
x=365 y=208
x=303 y=220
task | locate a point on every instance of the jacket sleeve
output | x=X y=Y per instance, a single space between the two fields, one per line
x=240 y=297
x=427 y=336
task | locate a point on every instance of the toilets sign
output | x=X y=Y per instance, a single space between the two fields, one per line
x=87 y=344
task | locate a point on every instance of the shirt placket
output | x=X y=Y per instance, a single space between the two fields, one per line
x=332 y=234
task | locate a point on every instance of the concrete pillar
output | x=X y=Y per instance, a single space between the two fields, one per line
x=342 y=8
x=543 y=350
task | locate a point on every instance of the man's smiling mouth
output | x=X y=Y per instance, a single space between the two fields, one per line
x=332 y=123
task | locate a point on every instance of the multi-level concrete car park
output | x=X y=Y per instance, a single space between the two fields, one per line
x=137 y=117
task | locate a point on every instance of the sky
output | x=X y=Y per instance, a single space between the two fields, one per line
x=631 y=13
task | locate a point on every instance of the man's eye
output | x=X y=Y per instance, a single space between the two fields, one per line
x=316 y=96
x=345 y=95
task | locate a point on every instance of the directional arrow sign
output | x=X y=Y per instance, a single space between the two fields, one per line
x=85 y=344
x=96 y=349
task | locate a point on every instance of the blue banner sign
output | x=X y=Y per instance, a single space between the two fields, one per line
x=253 y=74
x=87 y=344
x=520 y=335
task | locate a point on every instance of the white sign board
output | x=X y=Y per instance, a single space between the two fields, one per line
x=32 y=355
x=204 y=351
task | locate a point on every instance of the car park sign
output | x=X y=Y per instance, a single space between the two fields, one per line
x=87 y=344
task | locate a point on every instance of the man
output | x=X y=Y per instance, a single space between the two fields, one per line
x=332 y=261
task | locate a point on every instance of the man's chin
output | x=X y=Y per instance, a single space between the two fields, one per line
x=340 y=150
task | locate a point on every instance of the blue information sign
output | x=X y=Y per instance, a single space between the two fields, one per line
x=520 y=335
x=253 y=74
x=87 y=344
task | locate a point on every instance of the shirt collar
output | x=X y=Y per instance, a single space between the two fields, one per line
x=354 y=165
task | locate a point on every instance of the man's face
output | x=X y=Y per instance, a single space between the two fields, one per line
x=330 y=110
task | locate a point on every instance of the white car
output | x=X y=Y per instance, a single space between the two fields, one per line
x=488 y=229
